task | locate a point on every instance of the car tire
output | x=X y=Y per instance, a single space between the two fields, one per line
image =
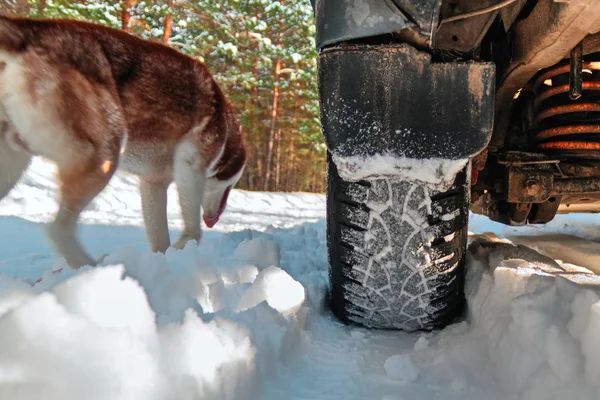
x=396 y=251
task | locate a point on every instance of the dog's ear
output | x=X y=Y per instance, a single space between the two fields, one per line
x=11 y=37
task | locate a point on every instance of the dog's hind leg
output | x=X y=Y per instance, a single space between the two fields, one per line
x=78 y=185
x=13 y=161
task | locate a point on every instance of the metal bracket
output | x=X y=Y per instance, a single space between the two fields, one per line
x=529 y=184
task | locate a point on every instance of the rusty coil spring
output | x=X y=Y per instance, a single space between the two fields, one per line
x=562 y=123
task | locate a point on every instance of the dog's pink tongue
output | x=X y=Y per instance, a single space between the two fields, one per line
x=210 y=222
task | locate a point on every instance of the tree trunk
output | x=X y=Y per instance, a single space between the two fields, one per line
x=288 y=167
x=278 y=159
x=126 y=15
x=294 y=182
x=41 y=7
x=168 y=22
x=252 y=121
x=21 y=7
x=273 y=124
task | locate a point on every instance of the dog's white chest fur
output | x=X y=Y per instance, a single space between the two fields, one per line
x=147 y=160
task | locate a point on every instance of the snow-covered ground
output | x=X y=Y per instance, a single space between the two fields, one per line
x=243 y=316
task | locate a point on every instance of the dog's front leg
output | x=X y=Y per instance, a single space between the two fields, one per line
x=190 y=180
x=154 y=210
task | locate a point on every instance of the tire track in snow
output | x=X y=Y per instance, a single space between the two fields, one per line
x=326 y=367
x=339 y=362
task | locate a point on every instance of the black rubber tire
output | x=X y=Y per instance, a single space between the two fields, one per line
x=400 y=266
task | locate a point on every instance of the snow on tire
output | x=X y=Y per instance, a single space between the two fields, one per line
x=396 y=251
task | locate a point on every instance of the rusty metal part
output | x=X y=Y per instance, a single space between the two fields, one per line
x=567 y=109
x=477 y=12
x=515 y=157
x=576 y=72
x=413 y=37
x=519 y=207
x=518 y=213
x=544 y=212
x=591 y=44
x=530 y=187
x=491 y=207
x=527 y=162
x=477 y=165
x=541 y=40
x=566 y=131
x=529 y=184
x=556 y=90
x=576 y=186
x=570 y=145
x=561 y=69
x=465 y=34
x=556 y=118
x=588 y=170
x=510 y=13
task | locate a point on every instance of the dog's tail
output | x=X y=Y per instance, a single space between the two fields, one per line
x=11 y=36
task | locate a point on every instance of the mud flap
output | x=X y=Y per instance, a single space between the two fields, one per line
x=392 y=100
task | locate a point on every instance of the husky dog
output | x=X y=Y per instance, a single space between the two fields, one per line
x=91 y=99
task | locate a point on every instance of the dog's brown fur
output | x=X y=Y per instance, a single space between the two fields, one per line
x=95 y=87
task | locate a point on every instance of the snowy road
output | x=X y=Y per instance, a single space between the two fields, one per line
x=243 y=316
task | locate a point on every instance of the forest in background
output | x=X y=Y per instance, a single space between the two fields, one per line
x=262 y=53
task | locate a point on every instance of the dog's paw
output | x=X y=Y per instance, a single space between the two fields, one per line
x=184 y=239
x=100 y=259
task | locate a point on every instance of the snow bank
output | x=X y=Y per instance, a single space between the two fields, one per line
x=120 y=204
x=243 y=318
x=151 y=326
x=566 y=248
x=533 y=325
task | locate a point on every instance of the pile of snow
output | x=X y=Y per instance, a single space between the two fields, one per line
x=149 y=326
x=533 y=325
x=401 y=367
x=243 y=317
